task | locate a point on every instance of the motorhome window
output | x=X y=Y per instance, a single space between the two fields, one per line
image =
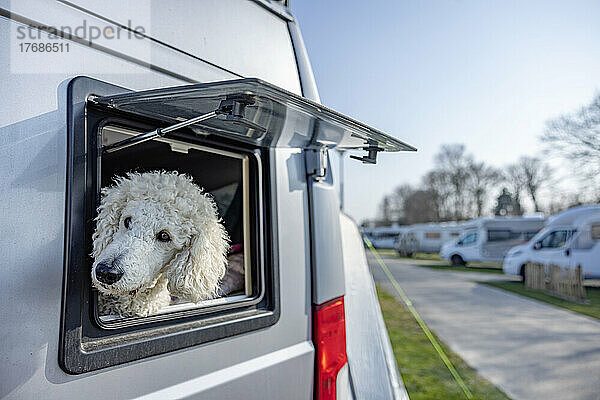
x=432 y=235
x=454 y=234
x=229 y=188
x=385 y=235
x=498 y=235
x=595 y=230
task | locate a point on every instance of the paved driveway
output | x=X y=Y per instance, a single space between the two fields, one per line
x=527 y=348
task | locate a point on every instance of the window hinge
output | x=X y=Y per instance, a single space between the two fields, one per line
x=372 y=149
x=316 y=163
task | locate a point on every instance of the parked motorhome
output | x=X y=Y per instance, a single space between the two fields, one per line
x=221 y=91
x=384 y=237
x=427 y=238
x=488 y=239
x=569 y=239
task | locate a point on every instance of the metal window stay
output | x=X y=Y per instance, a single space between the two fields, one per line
x=233 y=107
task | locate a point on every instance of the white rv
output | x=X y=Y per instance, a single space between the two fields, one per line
x=427 y=238
x=569 y=239
x=384 y=237
x=488 y=239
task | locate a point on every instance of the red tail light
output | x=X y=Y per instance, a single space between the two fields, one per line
x=330 y=340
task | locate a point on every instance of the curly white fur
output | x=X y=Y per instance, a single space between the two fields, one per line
x=188 y=266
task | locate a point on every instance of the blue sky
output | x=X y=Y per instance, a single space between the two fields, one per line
x=486 y=74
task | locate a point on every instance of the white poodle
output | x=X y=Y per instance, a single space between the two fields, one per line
x=157 y=235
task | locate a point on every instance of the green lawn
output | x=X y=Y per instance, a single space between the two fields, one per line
x=437 y=263
x=423 y=372
x=593 y=295
x=416 y=256
x=469 y=268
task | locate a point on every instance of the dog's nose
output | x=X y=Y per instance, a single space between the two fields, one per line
x=107 y=274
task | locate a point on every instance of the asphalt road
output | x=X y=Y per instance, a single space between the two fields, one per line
x=529 y=349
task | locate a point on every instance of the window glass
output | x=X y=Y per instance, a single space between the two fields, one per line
x=595 y=232
x=470 y=238
x=547 y=240
x=432 y=235
x=555 y=239
x=497 y=235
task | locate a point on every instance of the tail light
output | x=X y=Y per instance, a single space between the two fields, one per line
x=330 y=340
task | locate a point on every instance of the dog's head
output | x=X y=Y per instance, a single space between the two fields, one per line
x=154 y=225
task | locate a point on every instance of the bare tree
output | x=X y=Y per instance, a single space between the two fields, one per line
x=454 y=163
x=481 y=177
x=419 y=207
x=535 y=174
x=385 y=210
x=435 y=182
x=528 y=175
x=576 y=137
x=516 y=180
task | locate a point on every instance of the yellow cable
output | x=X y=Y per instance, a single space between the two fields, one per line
x=421 y=323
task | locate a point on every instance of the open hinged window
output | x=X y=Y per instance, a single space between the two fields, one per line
x=253 y=111
x=219 y=134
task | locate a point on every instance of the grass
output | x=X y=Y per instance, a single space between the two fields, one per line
x=424 y=374
x=493 y=268
x=593 y=295
x=416 y=256
x=446 y=267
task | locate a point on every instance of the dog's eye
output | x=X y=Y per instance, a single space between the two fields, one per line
x=163 y=236
x=127 y=222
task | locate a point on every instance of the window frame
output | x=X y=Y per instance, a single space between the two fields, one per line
x=85 y=345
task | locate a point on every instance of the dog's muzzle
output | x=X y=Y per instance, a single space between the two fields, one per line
x=108 y=274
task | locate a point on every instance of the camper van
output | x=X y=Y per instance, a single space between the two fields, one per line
x=384 y=237
x=488 y=239
x=427 y=238
x=223 y=92
x=569 y=239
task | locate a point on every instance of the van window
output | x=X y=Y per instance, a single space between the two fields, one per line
x=234 y=173
x=555 y=239
x=470 y=238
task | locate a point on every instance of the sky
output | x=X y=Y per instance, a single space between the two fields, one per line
x=488 y=74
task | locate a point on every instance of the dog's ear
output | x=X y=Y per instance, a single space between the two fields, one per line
x=195 y=272
x=109 y=215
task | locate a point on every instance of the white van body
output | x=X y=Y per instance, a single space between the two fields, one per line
x=568 y=240
x=64 y=98
x=427 y=238
x=384 y=237
x=488 y=239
